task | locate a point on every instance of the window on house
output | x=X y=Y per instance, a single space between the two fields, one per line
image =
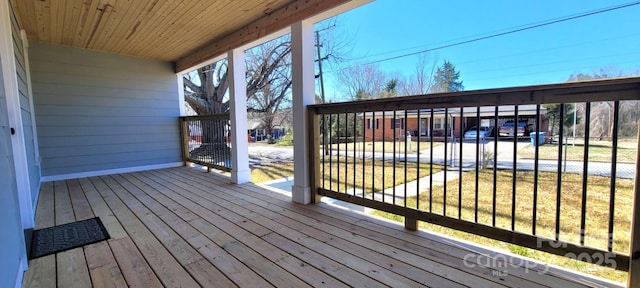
x=438 y=123
x=377 y=124
x=397 y=123
x=368 y=124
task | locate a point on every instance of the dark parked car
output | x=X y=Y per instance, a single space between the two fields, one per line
x=507 y=129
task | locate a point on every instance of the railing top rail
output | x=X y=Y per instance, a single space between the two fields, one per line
x=207 y=117
x=588 y=91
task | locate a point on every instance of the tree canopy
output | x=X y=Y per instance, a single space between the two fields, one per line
x=447 y=79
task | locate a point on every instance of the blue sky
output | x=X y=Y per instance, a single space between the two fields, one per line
x=549 y=54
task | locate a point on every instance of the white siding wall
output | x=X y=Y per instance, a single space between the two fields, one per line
x=98 y=111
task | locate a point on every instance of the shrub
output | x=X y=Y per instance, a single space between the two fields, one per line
x=286 y=140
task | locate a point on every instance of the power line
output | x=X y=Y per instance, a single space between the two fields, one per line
x=529 y=27
x=544 y=72
x=476 y=60
x=578 y=60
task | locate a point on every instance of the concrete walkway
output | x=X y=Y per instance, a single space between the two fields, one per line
x=505 y=158
x=505 y=161
x=412 y=189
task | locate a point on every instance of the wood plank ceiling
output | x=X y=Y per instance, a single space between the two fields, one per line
x=161 y=29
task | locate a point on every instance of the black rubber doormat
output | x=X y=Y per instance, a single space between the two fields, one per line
x=59 y=238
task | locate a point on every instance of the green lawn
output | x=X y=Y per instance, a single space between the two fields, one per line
x=596 y=217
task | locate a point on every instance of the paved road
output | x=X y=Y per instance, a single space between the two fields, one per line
x=271 y=152
x=505 y=158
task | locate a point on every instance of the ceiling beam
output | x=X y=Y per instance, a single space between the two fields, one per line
x=272 y=22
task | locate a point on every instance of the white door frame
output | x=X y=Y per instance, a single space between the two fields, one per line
x=27 y=71
x=15 y=119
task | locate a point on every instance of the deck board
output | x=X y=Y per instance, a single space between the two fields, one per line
x=167 y=268
x=100 y=209
x=343 y=250
x=135 y=269
x=81 y=208
x=285 y=216
x=183 y=227
x=258 y=264
x=103 y=267
x=42 y=272
x=72 y=269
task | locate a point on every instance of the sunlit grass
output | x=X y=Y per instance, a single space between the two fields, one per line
x=599 y=151
x=388 y=146
x=271 y=171
x=345 y=173
x=597 y=212
x=340 y=173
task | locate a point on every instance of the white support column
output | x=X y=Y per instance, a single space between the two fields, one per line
x=240 y=172
x=180 y=83
x=302 y=59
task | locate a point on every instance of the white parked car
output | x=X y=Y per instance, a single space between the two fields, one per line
x=484 y=132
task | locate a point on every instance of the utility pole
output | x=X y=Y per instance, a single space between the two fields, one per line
x=318 y=45
x=324 y=133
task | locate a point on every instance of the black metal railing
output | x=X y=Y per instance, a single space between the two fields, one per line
x=545 y=167
x=206 y=141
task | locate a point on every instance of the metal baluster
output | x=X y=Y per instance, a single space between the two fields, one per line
x=614 y=161
x=516 y=127
x=384 y=125
x=395 y=136
x=406 y=134
x=324 y=146
x=535 y=172
x=373 y=153
x=495 y=166
x=346 y=153
x=460 y=138
x=418 y=161
x=431 y=161
x=585 y=172
x=559 y=180
x=478 y=125
x=446 y=138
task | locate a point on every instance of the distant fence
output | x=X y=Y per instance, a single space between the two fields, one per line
x=205 y=140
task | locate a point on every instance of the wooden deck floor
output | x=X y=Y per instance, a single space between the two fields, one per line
x=183 y=227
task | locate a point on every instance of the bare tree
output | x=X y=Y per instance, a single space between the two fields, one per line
x=268 y=82
x=205 y=88
x=269 y=85
x=602 y=110
x=419 y=83
x=362 y=81
x=331 y=44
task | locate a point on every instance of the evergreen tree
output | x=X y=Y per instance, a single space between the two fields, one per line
x=553 y=112
x=447 y=79
x=390 y=90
